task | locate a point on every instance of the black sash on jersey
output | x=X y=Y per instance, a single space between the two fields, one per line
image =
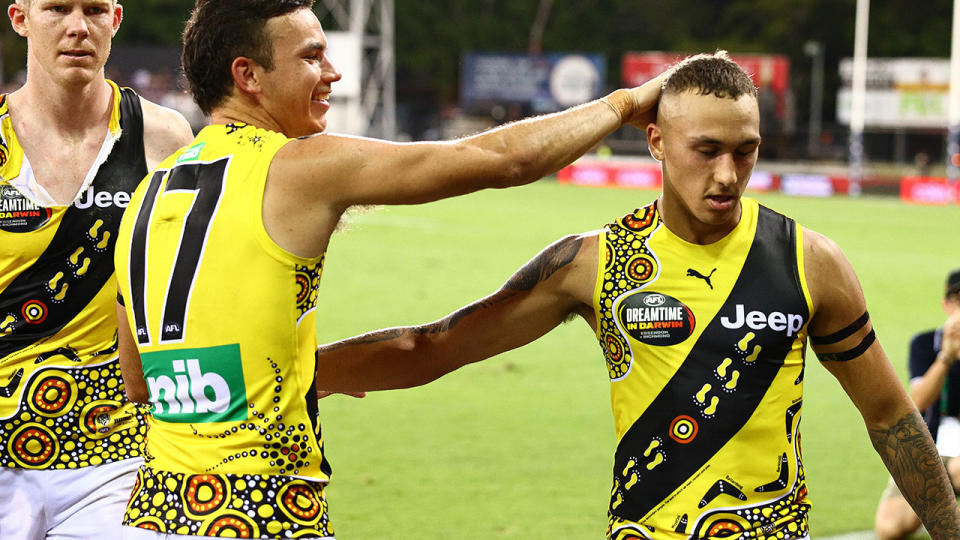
x=39 y=313
x=768 y=282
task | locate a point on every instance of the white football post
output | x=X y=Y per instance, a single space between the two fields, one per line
x=953 y=114
x=858 y=95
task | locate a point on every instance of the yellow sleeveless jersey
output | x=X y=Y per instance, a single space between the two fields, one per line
x=705 y=350
x=224 y=320
x=62 y=403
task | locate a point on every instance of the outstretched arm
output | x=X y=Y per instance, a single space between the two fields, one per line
x=541 y=295
x=843 y=338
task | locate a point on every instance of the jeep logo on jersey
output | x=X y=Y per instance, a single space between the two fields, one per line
x=102 y=199
x=18 y=214
x=757 y=320
x=196 y=385
x=656 y=319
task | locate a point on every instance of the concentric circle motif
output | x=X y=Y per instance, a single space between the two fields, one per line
x=52 y=393
x=204 y=494
x=683 y=429
x=33 y=446
x=232 y=525
x=96 y=421
x=34 y=311
x=639 y=222
x=608 y=256
x=303 y=282
x=151 y=523
x=300 y=503
x=722 y=528
x=614 y=348
x=640 y=269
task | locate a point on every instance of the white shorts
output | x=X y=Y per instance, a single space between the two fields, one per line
x=83 y=503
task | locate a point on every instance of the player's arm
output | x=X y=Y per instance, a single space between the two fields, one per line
x=164 y=132
x=553 y=285
x=130 y=367
x=843 y=338
x=925 y=389
x=341 y=171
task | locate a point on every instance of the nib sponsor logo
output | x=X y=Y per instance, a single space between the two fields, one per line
x=196 y=385
x=788 y=323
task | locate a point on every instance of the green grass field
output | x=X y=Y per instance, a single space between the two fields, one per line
x=521 y=446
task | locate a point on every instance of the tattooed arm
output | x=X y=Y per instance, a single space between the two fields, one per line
x=843 y=338
x=557 y=282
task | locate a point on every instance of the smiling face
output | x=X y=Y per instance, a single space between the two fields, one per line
x=295 y=92
x=708 y=148
x=68 y=41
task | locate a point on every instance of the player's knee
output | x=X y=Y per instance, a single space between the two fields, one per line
x=953 y=471
x=895 y=520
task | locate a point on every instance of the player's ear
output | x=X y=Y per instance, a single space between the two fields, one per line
x=18 y=18
x=246 y=75
x=655 y=141
x=117 y=17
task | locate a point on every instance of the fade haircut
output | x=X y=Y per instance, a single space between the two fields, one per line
x=708 y=74
x=218 y=32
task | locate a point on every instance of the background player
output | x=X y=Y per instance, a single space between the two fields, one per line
x=935 y=388
x=702 y=302
x=73 y=147
x=234 y=228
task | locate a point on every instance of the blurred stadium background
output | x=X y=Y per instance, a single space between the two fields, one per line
x=521 y=446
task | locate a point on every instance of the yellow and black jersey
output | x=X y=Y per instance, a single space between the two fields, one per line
x=224 y=320
x=705 y=350
x=62 y=403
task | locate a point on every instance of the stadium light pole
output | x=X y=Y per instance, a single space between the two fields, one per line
x=858 y=95
x=814 y=49
x=953 y=113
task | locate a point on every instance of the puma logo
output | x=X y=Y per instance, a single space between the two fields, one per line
x=693 y=273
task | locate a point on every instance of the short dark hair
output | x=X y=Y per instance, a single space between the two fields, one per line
x=709 y=74
x=218 y=32
x=953 y=284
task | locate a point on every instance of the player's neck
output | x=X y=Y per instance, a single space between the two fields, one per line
x=237 y=110
x=66 y=110
x=684 y=224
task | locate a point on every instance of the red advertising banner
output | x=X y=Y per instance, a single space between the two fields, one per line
x=928 y=190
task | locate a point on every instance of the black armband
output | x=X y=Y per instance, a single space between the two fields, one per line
x=861 y=348
x=843 y=333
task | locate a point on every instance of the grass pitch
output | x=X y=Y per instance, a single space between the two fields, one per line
x=521 y=445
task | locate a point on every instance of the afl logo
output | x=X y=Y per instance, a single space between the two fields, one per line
x=655 y=319
x=655 y=300
x=18 y=214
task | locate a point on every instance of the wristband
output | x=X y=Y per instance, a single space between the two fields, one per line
x=621 y=102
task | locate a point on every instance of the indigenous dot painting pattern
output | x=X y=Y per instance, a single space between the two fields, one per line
x=628 y=264
x=71 y=417
x=308 y=286
x=284 y=449
x=228 y=505
x=241 y=506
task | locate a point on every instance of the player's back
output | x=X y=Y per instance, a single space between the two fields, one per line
x=224 y=322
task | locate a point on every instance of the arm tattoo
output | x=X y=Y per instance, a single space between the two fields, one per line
x=555 y=257
x=911 y=457
x=373 y=337
x=545 y=264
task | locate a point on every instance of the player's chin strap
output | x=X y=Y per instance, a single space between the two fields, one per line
x=842 y=334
